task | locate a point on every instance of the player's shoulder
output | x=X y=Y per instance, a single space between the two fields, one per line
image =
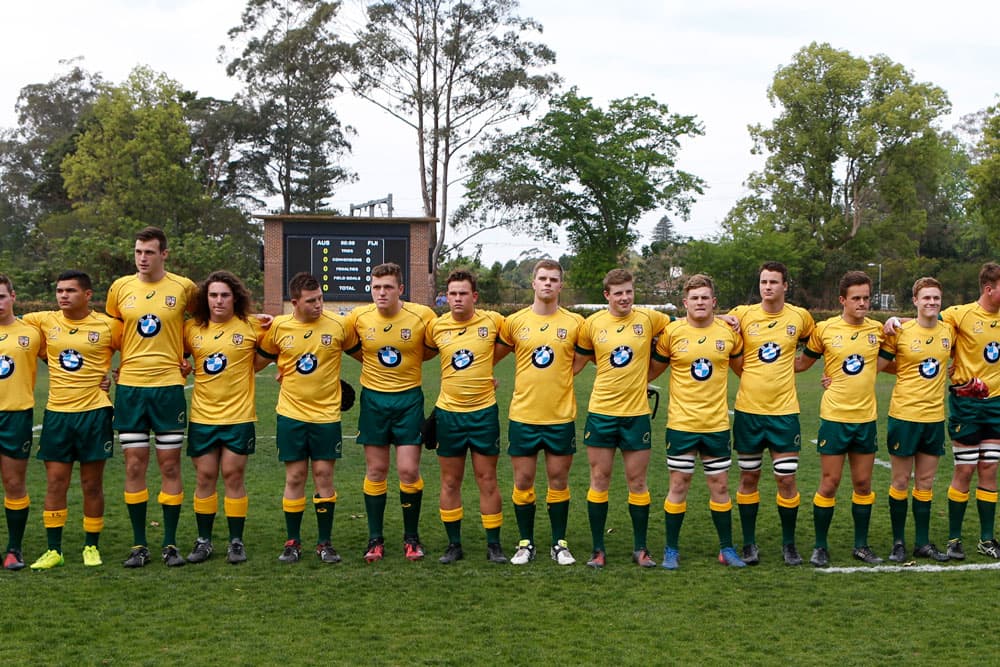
x=569 y=315
x=183 y=281
x=125 y=282
x=421 y=311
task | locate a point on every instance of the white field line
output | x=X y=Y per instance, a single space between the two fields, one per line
x=879 y=569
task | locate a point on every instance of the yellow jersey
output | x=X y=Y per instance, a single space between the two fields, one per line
x=921 y=357
x=466 y=350
x=223 y=355
x=20 y=344
x=977 y=344
x=392 y=348
x=850 y=359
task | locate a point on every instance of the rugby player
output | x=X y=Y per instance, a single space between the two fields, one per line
x=619 y=341
x=466 y=413
x=307 y=346
x=150 y=394
x=849 y=346
x=767 y=407
x=391 y=346
x=542 y=409
x=77 y=421
x=698 y=350
x=222 y=340
x=20 y=346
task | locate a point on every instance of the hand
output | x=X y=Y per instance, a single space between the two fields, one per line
x=265 y=320
x=731 y=321
x=185 y=367
x=826 y=381
x=892 y=325
x=974 y=388
x=105 y=384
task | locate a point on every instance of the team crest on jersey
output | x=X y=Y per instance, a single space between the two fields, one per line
x=946 y=343
x=307 y=363
x=93 y=336
x=790 y=331
x=215 y=363
x=853 y=364
x=23 y=341
x=769 y=352
x=720 y=345
x=543 y=356
x=637 y=329
x=872 y=339
x=389 y=356
x=929 y=368
x=405 y=334
x=326 y=339
x=483 y=332
x=170 y=301
x=71 y=360
x=148 y=326
x=602 y=336
x=991 y=352
x=701 y=369
x=462 y=359
x=6 y=367
x=621 y=356
x=237 y=339
x=370 y=333
x=561 y=333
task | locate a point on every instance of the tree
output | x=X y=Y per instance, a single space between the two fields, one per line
x=985 y=173
x=589 y=172
x=290 y=62
x=450 y=70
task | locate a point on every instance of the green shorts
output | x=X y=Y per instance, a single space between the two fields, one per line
x=478 y=430
x=391 y=418
x=302 y=441
x=529 y=439
x=627 y=433
x=837 y=438
x=76 y=436
x=15 y=433
x=145 y=409
x=752 y=434
x=908 y=438
x=709 y=445
x=972 y=420
x=237 y=438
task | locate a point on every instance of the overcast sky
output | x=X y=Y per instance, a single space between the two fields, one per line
x=712 y=59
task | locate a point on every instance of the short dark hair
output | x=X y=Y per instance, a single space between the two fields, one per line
x=241 y=297
x=852 y=278
x=461 y=275
x=152 y=234
x=388 y=269
x=301 y=282
x=4 y=280
x=777 y=267
x=550 y=264
x=989 y=274
x=81 y=278
x=617 y=277
x=699 y=280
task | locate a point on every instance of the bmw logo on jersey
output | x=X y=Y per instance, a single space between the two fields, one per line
x=701 y=369
x=621 y=356
x=929 y=368
x=543 y=356
x=307 y=363
x=389 y=356
x=215 y=363
x=853 y=364
x=462 y=359
x=149 y=325
x=71 y=360
x=6 y=367
x=769 y=352
x=991 y=352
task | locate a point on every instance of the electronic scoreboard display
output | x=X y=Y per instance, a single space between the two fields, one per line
x=341 y=256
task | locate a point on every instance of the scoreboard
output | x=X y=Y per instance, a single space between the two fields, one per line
x=342 y=259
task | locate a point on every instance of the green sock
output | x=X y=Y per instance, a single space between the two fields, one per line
x=897 y=517
x=956 y=516
x=640 y=525
x=748 y=521
x=54 y=538
x=293 y=525
x=525 y=515
x=411 y=512
x=324 y=521
x=724 y=527
x=493 y=535
x=171 y=517
x=91 y=539
x=205 y=524
x=597 y=513
x=454 y=531
x=137 y=517
x=922 y=521
x=236 y=525
x=862 y=515
x=987 y=517
x=17 y=521
x=673 y=528
x=822 y=517
x=789 y=517
x=375 y=509
x=559 y=517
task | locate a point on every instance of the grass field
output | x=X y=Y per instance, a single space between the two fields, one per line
x=397 y=612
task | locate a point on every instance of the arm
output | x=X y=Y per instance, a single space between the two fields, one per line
x=736 y=364
x=656 y=368
x=804 y=362
x=260 y=362
x=580 y=360
x=499 y=352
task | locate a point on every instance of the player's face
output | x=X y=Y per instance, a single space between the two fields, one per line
x=385 y=292
x=992 y=294
x=220 y=302
x=309 y=306
x=772 y=287
x=462 y=300
x=73 y=300
x=6 y=305
x=928 y=302
x=857 y=303
x=700 y=304
x=150 y=260
x=620 y=298
x=547 y=284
